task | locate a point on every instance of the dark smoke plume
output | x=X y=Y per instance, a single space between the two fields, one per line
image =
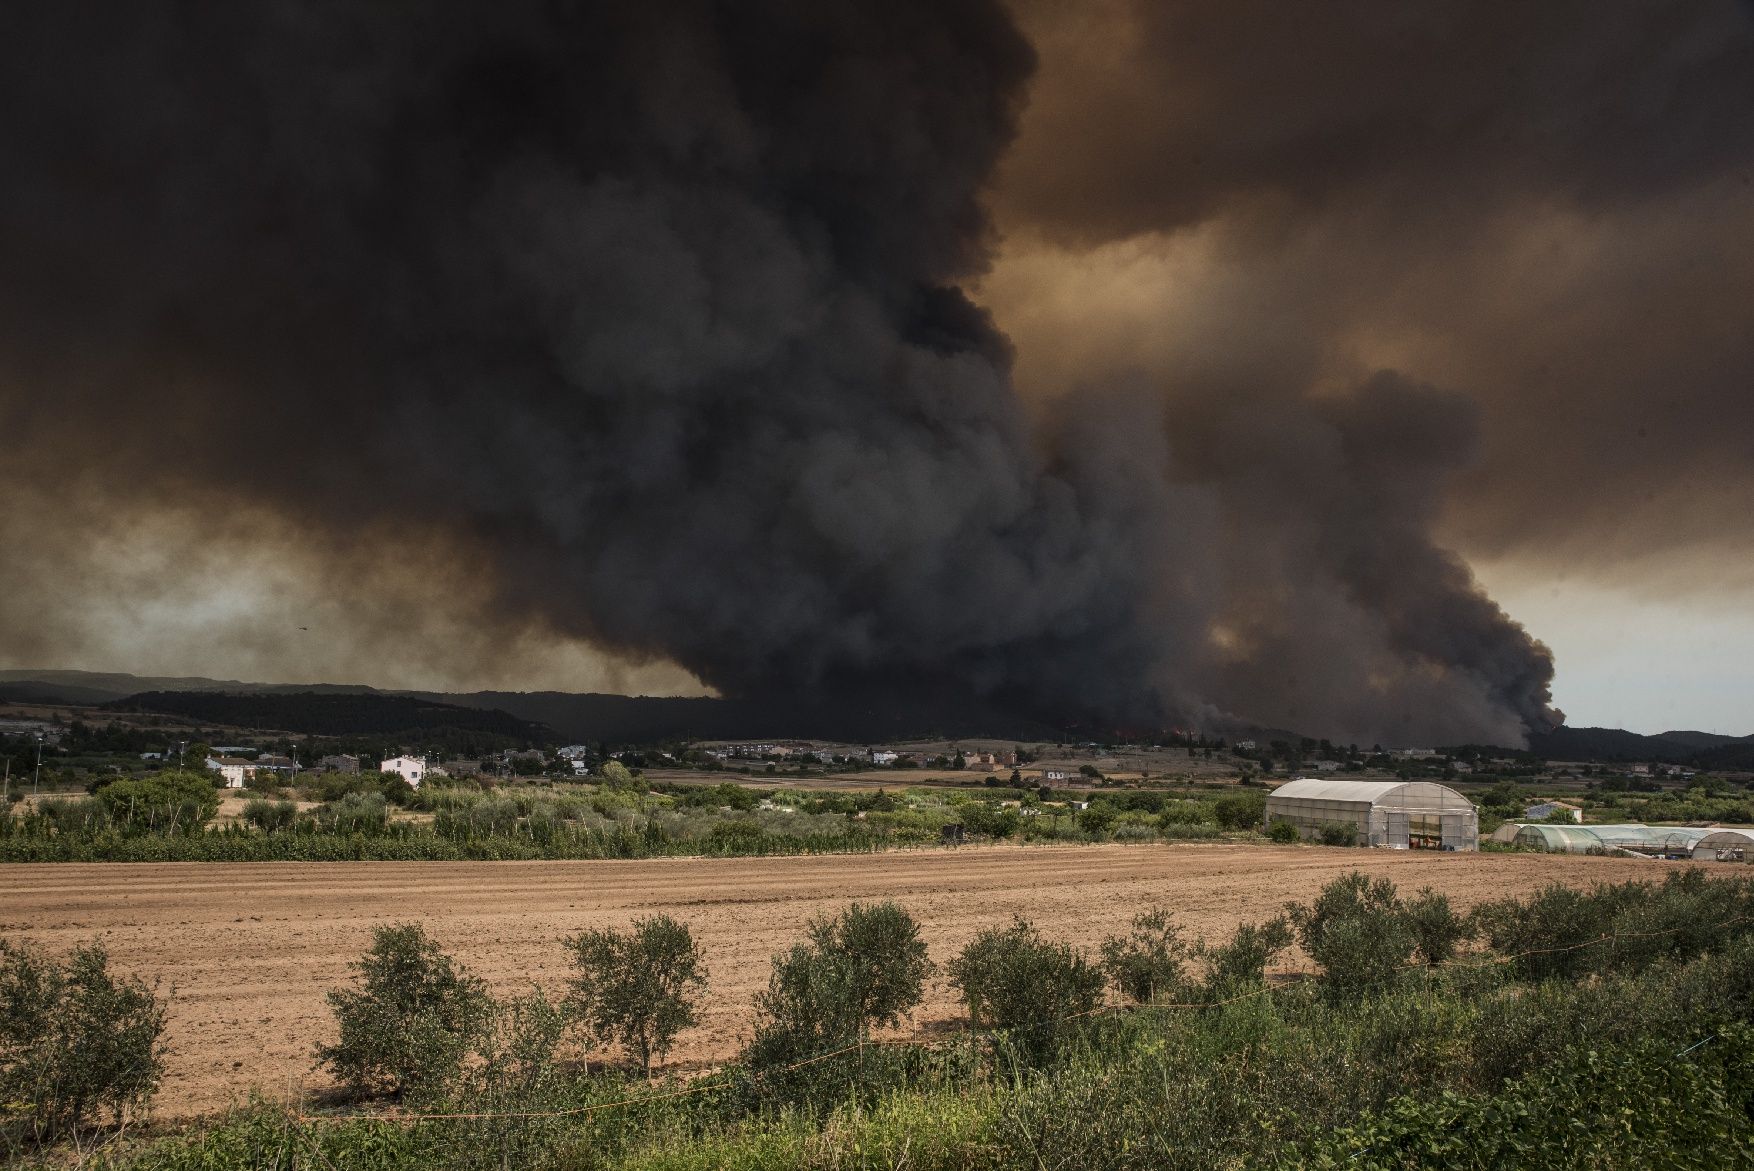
x=1546 y=207
x=654 y=314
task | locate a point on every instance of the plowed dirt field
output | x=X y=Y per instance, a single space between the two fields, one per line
x=250 y=948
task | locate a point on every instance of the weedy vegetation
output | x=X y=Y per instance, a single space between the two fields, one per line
x=1420 y=1037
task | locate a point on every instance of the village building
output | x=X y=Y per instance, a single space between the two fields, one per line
x=1542 y=811
x=410 y=768
x=235 y=770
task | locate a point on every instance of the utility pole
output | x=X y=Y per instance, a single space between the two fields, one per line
x=37 y=780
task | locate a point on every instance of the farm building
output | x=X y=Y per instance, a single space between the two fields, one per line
x=1397 y=814
x=1725 y=845
x=1546 y=809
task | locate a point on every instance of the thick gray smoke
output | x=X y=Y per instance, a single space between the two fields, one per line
x=656 y=310
x=1543 y=206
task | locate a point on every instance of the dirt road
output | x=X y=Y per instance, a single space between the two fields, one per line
x=250 y=948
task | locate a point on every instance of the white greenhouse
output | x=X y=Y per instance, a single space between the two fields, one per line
x=1725 y=845
x=1396 y=814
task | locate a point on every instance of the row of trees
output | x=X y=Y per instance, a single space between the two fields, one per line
x=409 y=1024
x=79 y=1046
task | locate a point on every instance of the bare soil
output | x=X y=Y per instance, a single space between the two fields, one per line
x=247 y=950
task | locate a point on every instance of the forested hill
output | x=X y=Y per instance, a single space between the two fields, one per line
x=1697 y=749
x=628 y=719
x=315 y=713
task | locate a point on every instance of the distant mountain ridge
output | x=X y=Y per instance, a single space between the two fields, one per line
x=592 y=717
x=1611 y=745
x=315 y=713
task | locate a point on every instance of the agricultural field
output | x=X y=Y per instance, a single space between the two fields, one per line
x=247 y=950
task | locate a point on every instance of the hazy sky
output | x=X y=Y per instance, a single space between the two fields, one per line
x=510 y=353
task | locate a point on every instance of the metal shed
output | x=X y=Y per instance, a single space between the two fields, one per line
x=1397 y=814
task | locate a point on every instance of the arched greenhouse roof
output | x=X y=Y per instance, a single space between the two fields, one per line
x=1361 y=792
x=1571 y=839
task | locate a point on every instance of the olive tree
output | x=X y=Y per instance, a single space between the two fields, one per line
x=407 y=1024
x=1014 y=980
x=1149 y=961
x=76 y=1043
x=637 y=988
x=864 y=968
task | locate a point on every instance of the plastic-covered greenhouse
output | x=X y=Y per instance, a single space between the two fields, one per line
x=1566 y=839
x=1725 y=845
x=1663 y=841
x=1397 y=814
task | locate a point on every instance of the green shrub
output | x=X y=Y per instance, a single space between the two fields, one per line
x=1438 y=932
x=82 y=815
x=406 y=1027
x=358 y=813
x=1096 y=820
x=1283 y=831
x=867 y=967
x=736 y=837
x=637 y=989
x=75 y=1041
x=270 y=816
x=1564 y=933
x=1240 y=810
x=1148 y=963
x=1548 y=933
x=326 y=786
x=1358 y=932
x=1240 y=966
x=510 y=1083
x=1338 y=833
x=978 y=817
x=721 y=796
x=1188 y=833
x=167 y=802
x=1614 y=1108
x=394 y=788
x=1186 y=813
x=619 y=777
x=1012 y=979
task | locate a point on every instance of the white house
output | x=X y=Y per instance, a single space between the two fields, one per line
x=235 y=770
x=884 y=756
x=409 y=768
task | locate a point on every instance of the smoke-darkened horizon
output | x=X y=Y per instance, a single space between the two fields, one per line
x=678 y=334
